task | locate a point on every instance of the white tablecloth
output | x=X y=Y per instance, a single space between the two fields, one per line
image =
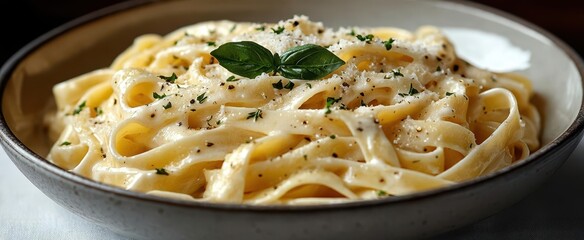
x=556 y=211
x=27 y=214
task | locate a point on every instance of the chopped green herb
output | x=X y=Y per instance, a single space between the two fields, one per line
x=449 y=93
x=329 y=102
x=278 y=85
x=261 y=28
x=233 y=28
x=231 y=79
x=161 y=171
x=289 y=85
x=367 y=38
x=438 y=69
x=255 y=115
x=98 y=111
x=278 y=30
x=388 y=44
x=309 y=85
x=333 y=136
x=381 y=193
x=201 y=98
x=411 y=92
x=218 y=122
x=167 y=106
x=396 y=72
x=156 y=96
x=352 y=33
x=170 y=79
x=211 y=44
x=79 y=108
x=65 y=143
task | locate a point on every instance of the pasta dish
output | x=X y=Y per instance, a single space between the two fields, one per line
x=290 y=112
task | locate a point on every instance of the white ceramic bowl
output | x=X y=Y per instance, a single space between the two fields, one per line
x=95 y=39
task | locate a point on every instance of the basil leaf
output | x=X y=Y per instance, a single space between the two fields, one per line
x=245 y=58
x=308 y=62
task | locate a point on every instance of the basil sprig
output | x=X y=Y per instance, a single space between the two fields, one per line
x=249 y=59
x=246 y=58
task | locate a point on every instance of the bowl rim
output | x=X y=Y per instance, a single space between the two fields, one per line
x=9 y=140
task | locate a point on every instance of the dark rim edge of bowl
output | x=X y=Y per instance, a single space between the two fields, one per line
x=9 y=139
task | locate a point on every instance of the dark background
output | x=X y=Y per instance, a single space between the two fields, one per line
x=556 y=211
x=31 y=18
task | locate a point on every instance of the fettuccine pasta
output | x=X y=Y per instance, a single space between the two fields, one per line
x=403 y=114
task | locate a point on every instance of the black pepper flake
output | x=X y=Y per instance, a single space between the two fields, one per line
x=115 y=101
x=362 y=94
x=209 y=144
x=295 y=24
x=161 y=171
x=304 y=122
x=360 y=129
x=230 y=87
x=345 y=84
x=152 y=115
x=260 y=175
x=307 y=139
x=455 y=67
x=335 y=155
x=222 y=84
x=320 y=31
x=438 y=59
x=192 y=101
